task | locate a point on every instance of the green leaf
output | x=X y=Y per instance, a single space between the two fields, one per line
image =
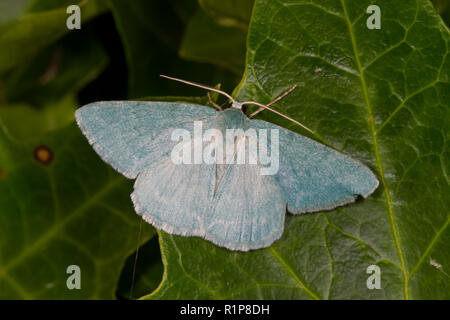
x=231 y=13
x=25 y=37
x=148 y=55
x=145 y=49
x=71 y=209
x=156 y=18
x=25 y=122
x=64 y=67
x=381 y=96
x=206 y=41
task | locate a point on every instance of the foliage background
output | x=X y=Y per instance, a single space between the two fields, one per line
x=76 y=210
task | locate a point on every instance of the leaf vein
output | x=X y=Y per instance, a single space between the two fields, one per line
x=52 y=232
x=293 y=274
x=377 y=155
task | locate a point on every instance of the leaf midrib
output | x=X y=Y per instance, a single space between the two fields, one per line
x=377 y=154
x=57 y=227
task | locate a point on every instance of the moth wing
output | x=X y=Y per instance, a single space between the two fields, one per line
x=314 y=177
x=248 y=209
x=131 y=134
x=238 y=209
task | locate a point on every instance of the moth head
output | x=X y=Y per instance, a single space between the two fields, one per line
x=241 y=105
x=236 y=105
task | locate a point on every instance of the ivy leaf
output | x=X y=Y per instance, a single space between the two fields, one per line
x=61 y=205
x=64 y=67
x=206 y=41
x=25 y=122
x=23 y=38
x=41 y=94
x=148 y=56
x=381 y=96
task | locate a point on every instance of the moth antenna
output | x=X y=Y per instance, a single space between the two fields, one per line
x=199 y=85
x=280 y=114
x=267 y=106
x=273 y=101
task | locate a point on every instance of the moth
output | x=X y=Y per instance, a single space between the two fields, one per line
x=230 y=203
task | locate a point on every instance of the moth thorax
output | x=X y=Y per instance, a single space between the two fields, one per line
x=236 y=105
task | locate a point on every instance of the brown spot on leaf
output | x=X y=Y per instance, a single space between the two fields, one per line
x=43 y=155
